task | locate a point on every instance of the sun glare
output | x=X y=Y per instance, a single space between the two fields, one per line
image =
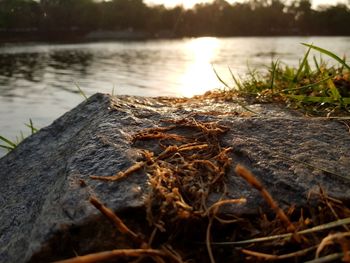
x=184 y=3
x=191 y=3
x=199 y=76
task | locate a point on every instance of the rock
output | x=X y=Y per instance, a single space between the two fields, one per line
x=45 y=182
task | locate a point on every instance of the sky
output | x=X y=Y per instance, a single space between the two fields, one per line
x=189 y=3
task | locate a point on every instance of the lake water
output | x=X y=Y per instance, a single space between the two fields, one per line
x=38 y=81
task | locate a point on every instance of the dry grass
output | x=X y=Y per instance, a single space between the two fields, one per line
x=187 y=166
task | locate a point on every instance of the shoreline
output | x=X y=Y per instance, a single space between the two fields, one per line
x=79 y=36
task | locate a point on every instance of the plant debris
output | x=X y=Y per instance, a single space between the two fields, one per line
x=184 y=168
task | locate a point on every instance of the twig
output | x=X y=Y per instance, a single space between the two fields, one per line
x=112 y=254
x=224 y=202
x=328 y=240
x=171 y=253
x=130 y=170
x=345 y=221
x=115 y=219
x=207 y=241
x=328 y=258
x=278 y=257
x=326 y=199
x=253 y=181
x=347 y=125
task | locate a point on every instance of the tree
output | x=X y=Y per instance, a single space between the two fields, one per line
x=303 y=16
x=67 y=14
x=220 y=18
x=334 y=20
x=17 y=14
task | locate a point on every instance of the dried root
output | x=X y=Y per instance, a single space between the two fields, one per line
x=253 y=181
x=120 y=175
x=115 y=219
x=188 y=168
x=114 y=254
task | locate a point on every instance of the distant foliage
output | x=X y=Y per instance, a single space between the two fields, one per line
x=219 y=18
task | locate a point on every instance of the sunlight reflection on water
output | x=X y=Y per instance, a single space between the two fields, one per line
x=37 y=81
x=199 y=75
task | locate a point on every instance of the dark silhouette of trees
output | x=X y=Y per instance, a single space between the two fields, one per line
x=338 y=16
x=303 y=15
x=19 y=14
x=219 y=18
x=122 y=14
x=67 y=14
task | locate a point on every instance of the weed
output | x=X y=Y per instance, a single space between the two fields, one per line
x=324 y=90
x=12 y=144
x=81 y=92
x=9 y=145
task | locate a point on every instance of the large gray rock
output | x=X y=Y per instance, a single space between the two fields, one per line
x=45 y=212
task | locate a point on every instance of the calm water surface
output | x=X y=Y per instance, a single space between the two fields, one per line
x=38 y=81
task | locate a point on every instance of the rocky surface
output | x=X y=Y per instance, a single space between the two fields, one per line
x=45 y=182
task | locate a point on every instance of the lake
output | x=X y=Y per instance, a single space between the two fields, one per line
x=39 y=81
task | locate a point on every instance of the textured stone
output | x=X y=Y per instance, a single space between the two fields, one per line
x=45 y=213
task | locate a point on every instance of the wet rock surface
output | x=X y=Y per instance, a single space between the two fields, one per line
x=45 y=182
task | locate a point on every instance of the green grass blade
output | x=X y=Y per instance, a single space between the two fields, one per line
x=334 y=91
x=81 y=91
x=10 y=145
x=344 y=59
x=328 y=53
x=21 y=138
x=113 y=89
x=9 y=148
x=237 y=82
x=273 y=74
x=302 y=65
x=31 y=126
x=253 y=74
x=317 y=64
x=33 y=129
x=7 y=141
x=220 y=79
x=309 y=85
x=307 y=68
x=314 y=99
x=225 y=84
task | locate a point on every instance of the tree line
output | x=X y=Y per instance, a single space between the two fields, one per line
x=219 y=18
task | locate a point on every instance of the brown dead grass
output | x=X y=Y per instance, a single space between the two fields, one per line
x=183 y=172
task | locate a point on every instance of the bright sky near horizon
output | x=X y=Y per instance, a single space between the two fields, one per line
x=190 y=3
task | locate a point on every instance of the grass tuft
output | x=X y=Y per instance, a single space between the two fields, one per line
x=320 y=90
x=328 y=53
x=9 y=144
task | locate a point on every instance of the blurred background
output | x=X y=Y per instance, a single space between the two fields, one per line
x=49 y=48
